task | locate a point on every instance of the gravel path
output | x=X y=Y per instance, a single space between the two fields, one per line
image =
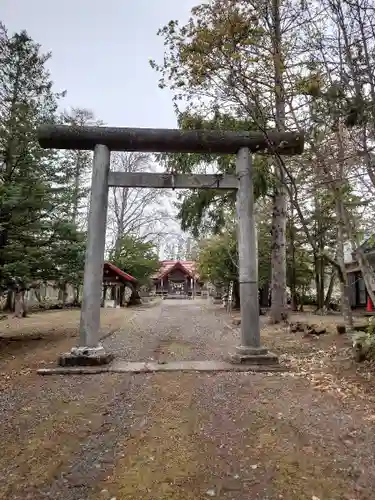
x=183 y=436
x=59 y=432
x=176 y=329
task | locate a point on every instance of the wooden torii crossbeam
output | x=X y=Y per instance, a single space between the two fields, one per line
x=103 y=140
x=169 y=140
x=172 y=181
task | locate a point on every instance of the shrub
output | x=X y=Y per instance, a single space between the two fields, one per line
x=364 y=343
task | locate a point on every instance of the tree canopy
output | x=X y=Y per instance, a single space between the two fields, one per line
x=234 y=65
x=137 y=257
x=38 y=241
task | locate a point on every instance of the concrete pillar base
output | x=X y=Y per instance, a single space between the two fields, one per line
x=85 y=356
x=253 y=356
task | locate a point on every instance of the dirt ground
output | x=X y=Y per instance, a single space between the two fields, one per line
x=304 y=434
x=28 y=343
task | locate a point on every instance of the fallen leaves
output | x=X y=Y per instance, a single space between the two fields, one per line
x=315 y=367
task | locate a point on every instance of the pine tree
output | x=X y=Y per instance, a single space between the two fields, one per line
x=33 y=222
x=76 y=168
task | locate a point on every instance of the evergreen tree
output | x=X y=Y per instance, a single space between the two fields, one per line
x=33 y=219
x=76 y=168
x=205 y=211
x=136 y=257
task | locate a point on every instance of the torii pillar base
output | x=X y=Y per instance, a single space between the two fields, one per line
x=86 y=356
x=253 y=356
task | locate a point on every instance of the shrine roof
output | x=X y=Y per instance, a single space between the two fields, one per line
x=166 y=266
x=108 y=266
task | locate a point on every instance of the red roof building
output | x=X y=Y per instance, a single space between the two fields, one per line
x=119 y=287
x=110 y=270
x=176 y=278
x=187 y=266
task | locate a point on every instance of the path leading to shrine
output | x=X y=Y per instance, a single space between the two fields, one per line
x=300 y=435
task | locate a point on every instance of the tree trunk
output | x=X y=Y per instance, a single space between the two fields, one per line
x=236 y=295
x=278 y=254
x=104 y=295
x=278 y=257
x=344 y=287
x=37 y=294
x=293 y=277
x=24 y=303
x=319 y=267
x=9 y=305
x=346 y=310
x=321 y=262
x=63 y=293
x=327 y=300
x=302 y=300
x=318 y=286
x=321 y=281
x=120 y=216
x=18 y=304
x=294 y=300
x=135 y=298
x=121 y=296
x=76 y=189
x=76 y=295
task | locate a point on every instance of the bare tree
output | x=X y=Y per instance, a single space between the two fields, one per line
x=136 y=211
x=289 y=64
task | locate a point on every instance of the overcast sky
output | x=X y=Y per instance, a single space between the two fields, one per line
x=100 y=53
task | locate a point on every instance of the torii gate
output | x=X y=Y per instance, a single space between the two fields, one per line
x=103 y=140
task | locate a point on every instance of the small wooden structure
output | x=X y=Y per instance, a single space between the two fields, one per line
x=358 y=293
x=177 y=278
x=119 y=287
